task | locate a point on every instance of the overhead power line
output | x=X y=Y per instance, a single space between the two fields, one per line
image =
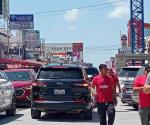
x=84 y=7
x=91 y=9
x=105 y=46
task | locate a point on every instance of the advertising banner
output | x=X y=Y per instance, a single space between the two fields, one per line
x=21 y=22
x=78 y=51
x=32 y=38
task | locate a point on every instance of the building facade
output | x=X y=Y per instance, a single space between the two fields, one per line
x=64 y=52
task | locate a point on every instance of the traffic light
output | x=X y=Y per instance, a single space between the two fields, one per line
x=1 y=7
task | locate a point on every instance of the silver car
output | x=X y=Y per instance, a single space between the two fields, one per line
x=7 y=95
x=135 y=95
x=126 y=79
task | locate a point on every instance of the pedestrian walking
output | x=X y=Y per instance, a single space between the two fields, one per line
x=115 y=79
x=105 y=96
x=144 y=98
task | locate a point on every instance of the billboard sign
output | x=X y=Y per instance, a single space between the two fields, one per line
x=31 y=37
x=21 y=22
x=78 y=51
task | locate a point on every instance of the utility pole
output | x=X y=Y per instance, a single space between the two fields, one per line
x=19 y=50
x=8 y=37
x=24 y=51
x=5 y=16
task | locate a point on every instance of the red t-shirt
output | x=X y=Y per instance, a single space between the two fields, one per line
x=115 y=79
x=104 y=88
x=144 y=98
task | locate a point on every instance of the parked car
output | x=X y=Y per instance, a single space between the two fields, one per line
x=126 y=79
x=61 y=88
x=22 y=80
x=7 y=96
x=91 y=72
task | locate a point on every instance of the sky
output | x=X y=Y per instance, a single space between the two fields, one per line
x=96 y=23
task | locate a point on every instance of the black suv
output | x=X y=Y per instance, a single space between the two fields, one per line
x=61 y=88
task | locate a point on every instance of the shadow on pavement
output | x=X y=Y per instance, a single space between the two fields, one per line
x=131 y=109
x=64 y=117
x=22 y=106
x=7 y=119
x=122 y=111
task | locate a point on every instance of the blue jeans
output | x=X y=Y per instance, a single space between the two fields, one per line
x=104 y=110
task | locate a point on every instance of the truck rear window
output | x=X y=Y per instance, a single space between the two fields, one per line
x=92 y=71
x=128 y=72
x=60 y=73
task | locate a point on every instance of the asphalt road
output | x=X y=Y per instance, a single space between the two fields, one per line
x=125 y=115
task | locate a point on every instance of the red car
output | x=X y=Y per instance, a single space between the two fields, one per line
x=22 y=80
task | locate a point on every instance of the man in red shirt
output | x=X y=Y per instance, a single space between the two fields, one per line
x=115 y=79
x=105 y=95
x=144 y=99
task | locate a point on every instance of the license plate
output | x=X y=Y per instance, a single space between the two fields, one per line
x=59 y=92
x=128 y=82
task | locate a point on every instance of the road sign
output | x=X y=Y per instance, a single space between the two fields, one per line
x=21 y=22
x=31 y=35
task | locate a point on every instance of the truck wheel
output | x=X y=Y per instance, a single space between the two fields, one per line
x=35 y=114
x=88 y=114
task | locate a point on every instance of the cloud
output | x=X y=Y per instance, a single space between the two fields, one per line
x=119 y=12
x=72 y=28
x=72 y=15
x=120 y=9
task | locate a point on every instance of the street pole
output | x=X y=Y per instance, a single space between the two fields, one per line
x=44 y=49
x=8 y=36
x=6 y=13
x=19 y=50
x=24 y=51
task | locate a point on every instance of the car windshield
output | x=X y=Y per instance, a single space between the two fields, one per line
x=60 y=73
x=92 y=71
x=18 y=76
x=128 y=72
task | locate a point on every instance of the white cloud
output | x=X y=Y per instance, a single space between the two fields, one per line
x=119 y=12
x=72 y=15
x=121 y=9
x=72 y=28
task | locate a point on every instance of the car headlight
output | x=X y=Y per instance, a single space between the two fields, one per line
x=27 y=88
